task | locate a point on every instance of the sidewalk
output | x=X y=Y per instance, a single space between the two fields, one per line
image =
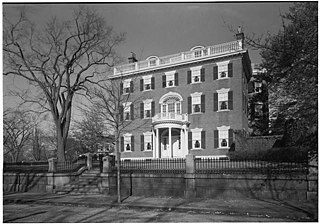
x=301 y=211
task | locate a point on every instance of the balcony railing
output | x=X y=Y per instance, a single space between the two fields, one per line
x=178 y=58
x=170 y=117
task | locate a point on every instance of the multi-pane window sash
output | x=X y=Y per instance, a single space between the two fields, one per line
x=147 y=113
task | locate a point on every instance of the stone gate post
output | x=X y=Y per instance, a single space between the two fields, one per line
x=190 y=187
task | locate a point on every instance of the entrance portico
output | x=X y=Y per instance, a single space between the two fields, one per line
x=170 y=128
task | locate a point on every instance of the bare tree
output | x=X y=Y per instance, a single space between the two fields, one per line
x=110 y=103
x=17 y=133
x=59 y=61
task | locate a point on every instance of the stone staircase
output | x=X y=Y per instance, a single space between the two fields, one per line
x=89 y=182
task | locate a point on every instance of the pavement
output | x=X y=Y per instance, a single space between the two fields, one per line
x=271 y=209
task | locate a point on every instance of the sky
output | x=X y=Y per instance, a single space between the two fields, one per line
x=166 y=28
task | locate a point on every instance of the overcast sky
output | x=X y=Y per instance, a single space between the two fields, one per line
x=168 y=28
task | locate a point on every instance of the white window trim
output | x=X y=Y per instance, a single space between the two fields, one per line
x=125 y=83
x=196 y=94
x=220 y=64
x=171 y=73
x=147 y=101
x=223 y=128
x=127 y=135
x=148 y=133
x=222 y=91
x=147 y=77
x=194 y=69
x=196 y=131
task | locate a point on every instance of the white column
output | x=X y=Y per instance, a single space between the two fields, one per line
x=154 y=144
x=186 y=141
x=170 y=143
x=157 y=144
x=181 y=142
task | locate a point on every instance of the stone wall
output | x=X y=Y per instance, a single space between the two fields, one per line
x=22 y=182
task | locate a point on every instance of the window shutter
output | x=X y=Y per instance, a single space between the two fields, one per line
x=141 y=110
x=176 y=79
x=132 y=143
x=132 y=111
x=153 y=108
x=131 y=86
x=230 y=137
x=189 y=104
x=230 y=70
x=215 y=101
x=164 y=81
x=189 y=140
x=203 y=139
x=230 y=100
x=121 y=113
x=188 y=77
x=203 y=103
x=122 y=144
x=121 y=88
x=215 y=72
x=142 y=142
x=152 y=83
x=216 y=139
x=202 y=74
x=141 y=84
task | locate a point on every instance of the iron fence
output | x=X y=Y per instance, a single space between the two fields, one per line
x=175 y=165
x=22 y=167
x=69 y=166
x=214 y=166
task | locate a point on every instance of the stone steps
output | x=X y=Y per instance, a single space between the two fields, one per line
x=88 y=183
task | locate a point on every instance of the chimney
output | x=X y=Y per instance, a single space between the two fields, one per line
x=240 y=37
x=132 y=59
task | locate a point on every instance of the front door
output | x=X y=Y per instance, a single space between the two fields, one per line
x=176 y=146
x=165 y=147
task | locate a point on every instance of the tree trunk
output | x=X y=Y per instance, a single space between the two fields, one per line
x=61 y=145
x=118 y=169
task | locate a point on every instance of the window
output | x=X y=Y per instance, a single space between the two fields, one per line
x=223 y=137
x=170 y=79
x=258 y=87
x=196 y=139
x=127 y=88
x=147 y=108
x=127 y=143
x=258 y=110
x=223 y=100
x=196 y=75
x=196 y=102
x=127 y=110
x=147 y=83
x=197 y=53
x=147 y=141
x=222 y=70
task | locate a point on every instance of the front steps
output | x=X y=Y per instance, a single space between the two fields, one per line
x=89 y=182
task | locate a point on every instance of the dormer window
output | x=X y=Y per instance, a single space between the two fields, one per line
x=197 y=53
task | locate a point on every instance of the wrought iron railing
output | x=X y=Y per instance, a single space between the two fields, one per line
x=214 y=166
x=69 y=166
x=173 y=165
x=21 y=167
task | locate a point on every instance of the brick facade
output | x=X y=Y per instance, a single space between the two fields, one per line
x=197 y=133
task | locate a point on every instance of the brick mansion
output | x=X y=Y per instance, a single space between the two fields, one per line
x=187 y=103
